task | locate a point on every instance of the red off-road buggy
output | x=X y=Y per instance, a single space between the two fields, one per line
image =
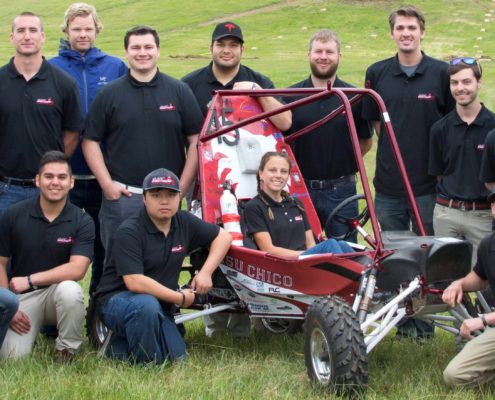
x=347 y=302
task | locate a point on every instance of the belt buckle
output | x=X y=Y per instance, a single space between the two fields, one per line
x=315 y=184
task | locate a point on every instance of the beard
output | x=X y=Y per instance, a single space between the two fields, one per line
x=323 y=75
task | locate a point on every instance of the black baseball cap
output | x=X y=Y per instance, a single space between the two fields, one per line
x=225 y=29
x=491 y=197
x=161 y=179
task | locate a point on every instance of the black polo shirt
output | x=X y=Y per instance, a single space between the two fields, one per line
x=140 y=248
x=486 y=260
x=326 y=152
x=414 y=104
x=34 y=116
x=143 y=125
x=287 y=230
x=487 y=172
x=456 y=149
x=35 y=244
x=202 y=82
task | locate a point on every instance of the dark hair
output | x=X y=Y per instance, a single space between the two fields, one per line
x=54 y=156
x=476 y=67
x=141 y=30
x=266 y=157
x=407 y=11
x=27 y=14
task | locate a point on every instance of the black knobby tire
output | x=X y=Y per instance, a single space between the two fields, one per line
x=277 y=326
x=334 y=348
x=96 y=331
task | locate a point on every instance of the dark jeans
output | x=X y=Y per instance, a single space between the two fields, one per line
x=325 y=201
x=395 y=214
x=86 y=194
x=11 y=194
x=114 y=212
x=142 y=332
x=8 y=307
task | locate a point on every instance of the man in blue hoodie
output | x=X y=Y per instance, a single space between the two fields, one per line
x=92 y=69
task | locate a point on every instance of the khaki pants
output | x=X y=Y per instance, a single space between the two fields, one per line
x=469 y=225
x=60 y=304
x=475 y=363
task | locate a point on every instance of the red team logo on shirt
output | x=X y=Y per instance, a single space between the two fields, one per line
x=177 y=249
x=65 y=240
x=167 y=107
x=46 y=102
x=426 y=96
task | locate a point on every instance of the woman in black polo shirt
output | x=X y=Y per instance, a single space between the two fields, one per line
x=276 y=220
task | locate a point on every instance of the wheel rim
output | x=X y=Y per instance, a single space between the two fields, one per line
x=321 y=357
x=101 y=331
x=275 y=325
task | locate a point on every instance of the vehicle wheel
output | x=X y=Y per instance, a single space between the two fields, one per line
x=96 y=331
x=277 y=326
x=334 y=348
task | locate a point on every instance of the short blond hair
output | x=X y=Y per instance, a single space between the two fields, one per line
x=81 y=10
x=324 y=36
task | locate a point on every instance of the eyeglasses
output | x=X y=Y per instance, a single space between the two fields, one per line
x=465 y=60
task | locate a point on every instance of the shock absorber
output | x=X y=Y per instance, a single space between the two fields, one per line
x=368 y=295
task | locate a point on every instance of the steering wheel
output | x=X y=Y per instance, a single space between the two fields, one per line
x=361 y=218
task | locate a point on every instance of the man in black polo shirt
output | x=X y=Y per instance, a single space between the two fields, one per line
x=325 y=155
x=225 y=72
x=39 y=111
x=415 y=89
x=138 y=292
x=475 y=363
x=143 y=119
x=49 y=243
x=456 y=149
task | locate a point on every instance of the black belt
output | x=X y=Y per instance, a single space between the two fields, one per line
x=17 y=181
x=329 y=183
x=463 y=205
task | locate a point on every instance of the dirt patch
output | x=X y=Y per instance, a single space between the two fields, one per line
x=259 y=10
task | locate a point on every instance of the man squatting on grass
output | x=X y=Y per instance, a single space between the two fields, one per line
x=138 y=294
x=476 y=361
x=49 y=242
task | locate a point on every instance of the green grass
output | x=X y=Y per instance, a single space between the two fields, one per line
x=276 y=34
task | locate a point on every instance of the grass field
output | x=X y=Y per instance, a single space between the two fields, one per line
x=276 y=35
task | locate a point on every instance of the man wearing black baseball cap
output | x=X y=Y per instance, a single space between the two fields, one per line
x=138 y=294
x=225 y=72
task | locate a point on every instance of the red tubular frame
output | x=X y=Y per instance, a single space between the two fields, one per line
x=314 y=95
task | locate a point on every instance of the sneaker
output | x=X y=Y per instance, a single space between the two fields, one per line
x=63 y=356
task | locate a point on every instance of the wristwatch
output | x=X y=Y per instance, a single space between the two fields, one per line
x=483 y=319
x=31 y=286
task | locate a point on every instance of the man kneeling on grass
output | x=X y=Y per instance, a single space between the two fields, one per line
x=49 y=242
x=475 y=364
x=138 y=291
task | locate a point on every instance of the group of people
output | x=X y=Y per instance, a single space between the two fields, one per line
x=131 y=132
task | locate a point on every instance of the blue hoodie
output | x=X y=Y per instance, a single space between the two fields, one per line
x=91 y=72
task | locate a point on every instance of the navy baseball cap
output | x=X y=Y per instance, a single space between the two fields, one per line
x=161 y=179
x=225 y=29
x=491 y=197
